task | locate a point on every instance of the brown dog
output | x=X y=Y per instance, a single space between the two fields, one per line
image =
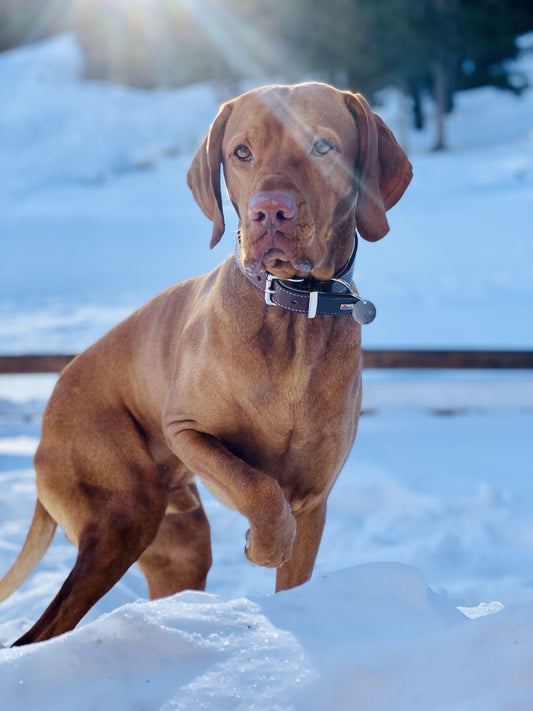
x=240 y=377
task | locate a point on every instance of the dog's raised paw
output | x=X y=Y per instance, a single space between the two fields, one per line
x=271 y=549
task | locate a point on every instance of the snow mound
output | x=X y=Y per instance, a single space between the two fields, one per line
x=189 y=651
x=57 y=129
x=53 y=61
x=371 y=637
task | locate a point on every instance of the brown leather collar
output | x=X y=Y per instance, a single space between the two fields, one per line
x=309 y=296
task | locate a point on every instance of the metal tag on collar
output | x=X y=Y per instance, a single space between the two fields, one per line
x=363 y=311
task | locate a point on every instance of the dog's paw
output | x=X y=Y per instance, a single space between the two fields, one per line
x=271 y=546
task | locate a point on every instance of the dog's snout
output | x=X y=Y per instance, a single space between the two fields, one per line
x=274 y=209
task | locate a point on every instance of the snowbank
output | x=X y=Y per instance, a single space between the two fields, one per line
x=373 y=637
x=57 y=129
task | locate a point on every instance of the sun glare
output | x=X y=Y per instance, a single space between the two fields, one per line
x=173 y=42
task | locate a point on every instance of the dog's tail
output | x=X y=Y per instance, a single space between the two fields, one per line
x=37 y=541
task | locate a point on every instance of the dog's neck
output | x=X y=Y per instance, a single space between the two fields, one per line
x=333 y=297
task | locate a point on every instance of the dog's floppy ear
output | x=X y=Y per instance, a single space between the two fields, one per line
x=203 y=177
x=382 y=170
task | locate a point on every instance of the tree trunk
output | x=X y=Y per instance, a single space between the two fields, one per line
x=440 y=95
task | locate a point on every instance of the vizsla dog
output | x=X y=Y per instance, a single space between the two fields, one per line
x=247 y=377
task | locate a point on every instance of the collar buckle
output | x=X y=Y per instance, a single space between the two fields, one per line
x=270 y=291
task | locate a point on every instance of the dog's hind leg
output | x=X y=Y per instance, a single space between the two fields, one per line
x=107 y=548
x=112 y=526
x=180 y=556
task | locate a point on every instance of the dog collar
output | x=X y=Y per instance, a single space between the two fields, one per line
x=334 y=297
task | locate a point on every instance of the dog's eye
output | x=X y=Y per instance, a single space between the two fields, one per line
x=243 y=152
x=321 y=147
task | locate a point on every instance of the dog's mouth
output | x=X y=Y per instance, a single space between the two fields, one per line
x=281 y=265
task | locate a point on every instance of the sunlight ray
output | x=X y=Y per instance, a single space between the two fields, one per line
x=221 y=26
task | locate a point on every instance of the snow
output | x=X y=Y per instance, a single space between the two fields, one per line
x=373 y=637
x=422 y=595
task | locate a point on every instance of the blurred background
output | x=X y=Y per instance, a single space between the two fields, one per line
x=115 y=95
x=423 y=47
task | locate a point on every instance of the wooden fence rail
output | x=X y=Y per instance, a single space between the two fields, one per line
x=448 y=359
x=372 y=358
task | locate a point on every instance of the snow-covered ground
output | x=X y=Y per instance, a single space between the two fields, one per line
x=423 y=592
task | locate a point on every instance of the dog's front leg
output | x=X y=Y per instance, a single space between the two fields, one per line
x=253 y=493
x=310 y=525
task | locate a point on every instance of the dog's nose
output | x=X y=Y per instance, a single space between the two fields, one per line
x=272 y=209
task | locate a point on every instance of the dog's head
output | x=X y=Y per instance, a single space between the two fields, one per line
x=303 y=165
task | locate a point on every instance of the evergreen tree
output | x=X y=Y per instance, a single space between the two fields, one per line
x=434 y=47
